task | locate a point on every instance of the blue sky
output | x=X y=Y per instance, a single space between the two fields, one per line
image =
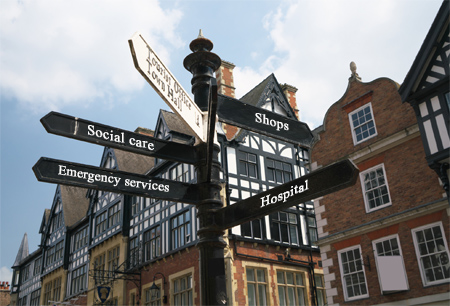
x=73 y=57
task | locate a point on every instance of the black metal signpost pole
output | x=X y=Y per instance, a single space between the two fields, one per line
x=202 y=64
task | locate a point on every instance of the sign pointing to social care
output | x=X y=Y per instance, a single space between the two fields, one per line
x=162 y=80
x=308 y=187
x=93 y=132
x=85 y=176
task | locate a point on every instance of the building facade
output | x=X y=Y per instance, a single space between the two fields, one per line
x=117 y=248
x=383 y=241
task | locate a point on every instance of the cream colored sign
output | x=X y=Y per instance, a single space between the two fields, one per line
x=156 y=73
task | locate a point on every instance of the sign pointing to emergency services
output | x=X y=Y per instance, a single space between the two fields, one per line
x=93 y=132
x=308 y=187
x=85 y=176
x=162 y=80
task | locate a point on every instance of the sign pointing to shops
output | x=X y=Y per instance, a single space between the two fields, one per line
x=308 y=187
x=84 y=130
x=162 y=80
x=235 y=112
x=85 y=176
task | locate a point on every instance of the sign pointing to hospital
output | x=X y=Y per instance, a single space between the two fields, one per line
x=164 y=83
x=93 y=132
x=85 y=176
x=318 y=183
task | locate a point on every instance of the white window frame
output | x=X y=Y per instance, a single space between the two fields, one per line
x=366 y=202
x=396 y=277
x=419 y=261
x=341 y=268
x=355 y=141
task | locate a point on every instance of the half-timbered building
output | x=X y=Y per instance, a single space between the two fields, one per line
x=426 y=89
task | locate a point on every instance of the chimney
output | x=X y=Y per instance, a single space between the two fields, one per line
x=289 y=91
x=225 y=81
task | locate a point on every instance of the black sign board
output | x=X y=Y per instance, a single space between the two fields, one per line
x=85 y=176
x=308 y=187
x=80 y=129
x=262 y=121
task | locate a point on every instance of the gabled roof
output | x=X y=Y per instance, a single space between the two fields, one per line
x=132 y=162
x=23 y=251
x=427 y=52
x=74 y=204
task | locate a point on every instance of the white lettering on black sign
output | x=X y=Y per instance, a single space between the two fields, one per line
x=120 y=138
x=284 y=196
x=262 y=118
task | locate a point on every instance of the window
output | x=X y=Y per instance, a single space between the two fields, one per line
x=291 y=288
x=320 y=290
x=25 y=272
x=180 y=173
x=99 y=268
x=56 y=221
x=352 y=273
x=114 y=214
x=181 y=230
x=432 y=253
x=152 y=300
x=278 y=171
x=134 y=253
x=390 y=265
x=312 y=229
x=256 y=286
x=47 y=292
x=78 y=283
x=81 y=239
x=375 y=188
x=134 y=205
x=59 y=250
x=50 y=256
x=113 y=259
x=247 y=165
x=362 y=124
x=101 y=223
x=57 y=289
x=35 y=297
x=37 y=266
x=182 y=291
x=252 y=229
x=284 y=227
x=152 y=243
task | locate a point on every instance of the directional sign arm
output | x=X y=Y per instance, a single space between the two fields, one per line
x=212 y=110
x=262 y=121
x=100 y=134
x=86 y=176
x=308 y=187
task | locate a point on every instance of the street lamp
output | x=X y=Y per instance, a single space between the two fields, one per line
x=154 y=289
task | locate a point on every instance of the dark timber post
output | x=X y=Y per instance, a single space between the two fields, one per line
x=202 y=64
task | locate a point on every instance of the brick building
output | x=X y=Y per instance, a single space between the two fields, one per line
x=5 y=295
x=383 y=241
x=118 y=246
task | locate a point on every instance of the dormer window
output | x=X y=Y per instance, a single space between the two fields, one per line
x=362 y=123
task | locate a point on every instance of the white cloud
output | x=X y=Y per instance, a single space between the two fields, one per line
x=5 y=274
x=315 y=41
x=57 y=53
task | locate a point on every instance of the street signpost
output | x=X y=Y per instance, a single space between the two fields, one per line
x=214 y=219
x=161 y=79
x=262 y=121
x=85 y=176
x=323 y=181
x=93 y=132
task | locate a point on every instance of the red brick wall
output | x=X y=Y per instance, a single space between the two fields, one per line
x=403 y=229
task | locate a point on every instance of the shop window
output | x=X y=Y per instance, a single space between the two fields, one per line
x=362 y=123
x=291 y=288
x=375 y=188
x=390 y=265
x=432 y=254
x=256 y=286
x=352 y=273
